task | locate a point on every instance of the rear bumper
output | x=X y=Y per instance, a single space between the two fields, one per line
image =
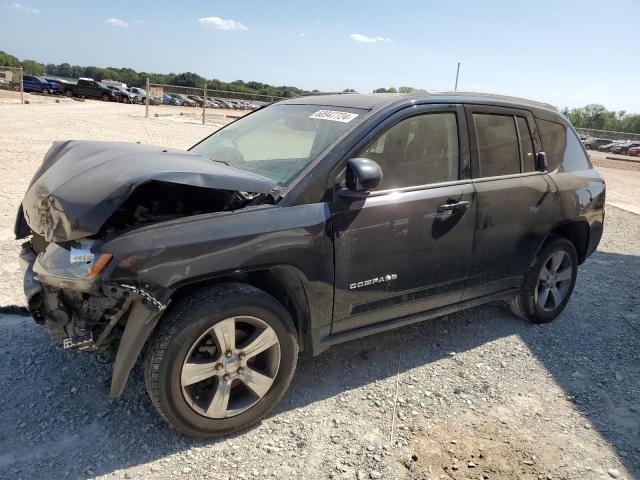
x=595 y=234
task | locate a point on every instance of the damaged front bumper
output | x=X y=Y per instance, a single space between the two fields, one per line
x=64 y=291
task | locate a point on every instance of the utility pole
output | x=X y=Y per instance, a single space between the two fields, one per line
x=21 y=85
x=455 y=89
x=204 y=103
x=146 y=103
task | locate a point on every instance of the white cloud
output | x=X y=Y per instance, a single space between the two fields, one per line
x=222 y=24
x=358 y=37
x=302 y=34
x=116 y=22
x=26 y=9
x=141 y=22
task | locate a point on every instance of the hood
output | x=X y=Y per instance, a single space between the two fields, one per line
x=80 y=184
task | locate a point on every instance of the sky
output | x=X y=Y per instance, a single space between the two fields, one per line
x=564 y=52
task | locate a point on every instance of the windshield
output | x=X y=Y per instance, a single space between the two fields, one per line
x=279 y=141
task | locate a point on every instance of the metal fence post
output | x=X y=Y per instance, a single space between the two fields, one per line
x=146 y=108
x=204 y=104
x=21 y=85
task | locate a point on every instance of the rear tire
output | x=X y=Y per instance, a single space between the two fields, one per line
x=106 y=98
x=220 y=360
x=549 y=283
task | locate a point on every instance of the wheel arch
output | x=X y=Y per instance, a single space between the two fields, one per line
x=577 y=231
x=287 y=284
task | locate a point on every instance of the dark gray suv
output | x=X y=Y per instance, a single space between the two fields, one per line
x=307 y=223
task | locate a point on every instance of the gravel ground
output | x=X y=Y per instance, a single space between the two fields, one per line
x=480 y=394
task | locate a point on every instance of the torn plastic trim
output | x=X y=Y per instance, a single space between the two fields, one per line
x=146 y=297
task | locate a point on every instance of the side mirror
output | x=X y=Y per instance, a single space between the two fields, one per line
x=363 y=175
x=541 y=162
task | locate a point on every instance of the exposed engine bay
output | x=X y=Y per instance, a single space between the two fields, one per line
x=160 y=201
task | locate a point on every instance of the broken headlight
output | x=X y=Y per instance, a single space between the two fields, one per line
x=70 y=267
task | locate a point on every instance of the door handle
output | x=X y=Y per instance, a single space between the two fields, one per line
x=454 y=207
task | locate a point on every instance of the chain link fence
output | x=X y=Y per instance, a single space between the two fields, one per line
x=11 y=83
x=608 y=134
x=200 y=105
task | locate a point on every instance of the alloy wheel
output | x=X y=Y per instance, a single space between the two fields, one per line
x=554 y=280
x=230 y=367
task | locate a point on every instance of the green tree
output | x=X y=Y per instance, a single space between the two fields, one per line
x=31 y=67
x=8 y=60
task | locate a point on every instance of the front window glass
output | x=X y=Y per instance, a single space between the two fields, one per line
x=417 y=151
x=279 y=141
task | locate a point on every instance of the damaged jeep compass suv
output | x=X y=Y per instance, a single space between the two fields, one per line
x=304 y=224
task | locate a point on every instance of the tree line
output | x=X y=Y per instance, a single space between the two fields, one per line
x=592 y=116
x=598 y=117
x=138 y=79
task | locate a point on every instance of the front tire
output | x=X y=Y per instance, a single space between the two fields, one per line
x=220 y=360
x=549 y=283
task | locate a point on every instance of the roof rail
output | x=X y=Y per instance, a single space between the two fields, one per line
x=314 y=94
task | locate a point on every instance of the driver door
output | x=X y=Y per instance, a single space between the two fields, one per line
x=406 y=248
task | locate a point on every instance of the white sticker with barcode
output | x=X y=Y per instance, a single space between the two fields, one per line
x=334 y=116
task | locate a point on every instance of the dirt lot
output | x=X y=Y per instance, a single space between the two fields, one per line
x=477 y=395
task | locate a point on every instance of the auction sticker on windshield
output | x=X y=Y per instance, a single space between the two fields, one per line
x=334 y=116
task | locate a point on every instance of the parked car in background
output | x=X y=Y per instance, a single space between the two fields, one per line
x=140 y=93
x=594 y=143
x=186 y=101
x=57 y=84
x=36 y=84
x=199 y=100
x=88 y=88
x=623 y=148
x=606 y=146
x=634 y=151
x=169 y=100
x=122 y=95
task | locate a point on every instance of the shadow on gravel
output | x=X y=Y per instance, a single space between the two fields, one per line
x=592 y=351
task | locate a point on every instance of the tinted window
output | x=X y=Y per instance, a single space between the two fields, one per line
x=498 y=151
x=417 y=151
x=553 y=139
x=574 y=156
x=526 y=145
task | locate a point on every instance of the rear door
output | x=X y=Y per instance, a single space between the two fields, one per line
x=83 y=88
x=516 y=205
x=406 y=248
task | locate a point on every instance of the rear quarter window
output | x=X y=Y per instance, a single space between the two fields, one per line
x=574 y=156
x=563 y=148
